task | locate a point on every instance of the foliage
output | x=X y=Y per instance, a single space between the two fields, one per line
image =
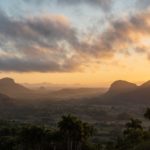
x=147 y=113
x=72 y=134
x=134 y=137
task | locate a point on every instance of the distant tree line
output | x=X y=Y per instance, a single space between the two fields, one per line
x=134 y=136
x=71 y=134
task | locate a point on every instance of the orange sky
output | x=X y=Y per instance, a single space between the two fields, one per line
x=131 y=68
x=53 y=42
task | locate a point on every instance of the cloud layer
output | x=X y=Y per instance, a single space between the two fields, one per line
x=142 y=4
x=104 y=4
x=51 y=43
x=35 y=44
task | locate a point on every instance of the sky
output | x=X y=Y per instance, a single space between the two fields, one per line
x=87 y=42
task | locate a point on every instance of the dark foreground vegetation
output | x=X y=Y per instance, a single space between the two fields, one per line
x=71 y=134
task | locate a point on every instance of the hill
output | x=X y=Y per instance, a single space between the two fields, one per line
x=123 y=92
x=77 y=93
x=9 y=87
x=4 y=98
x=119 y=87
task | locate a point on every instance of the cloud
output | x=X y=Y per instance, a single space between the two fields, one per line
x=104 y=4
x=37 y=29
x=36 y=43
x=127 y=33
x=51 y=43
x=29 y=65
x=44 y=43
x=142 y=4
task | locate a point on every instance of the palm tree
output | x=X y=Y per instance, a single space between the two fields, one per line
x=147 y=113
x=31 y=137
x=134 y=124
x=133 y=134
x=74 y=131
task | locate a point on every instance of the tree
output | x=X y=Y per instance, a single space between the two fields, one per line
x=74 y=131
x=132 y=135
x=147 y=113
x=134 y=124
x=143 y=146
x=31 y=137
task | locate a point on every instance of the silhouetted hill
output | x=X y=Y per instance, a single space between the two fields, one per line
x=120 y=92
x=119 y=87
x=4 y=98
x=12 y=89
x=9 y=87
x=141 y=95
x=123 y=92
x=78 y=92
x=145 y=85
x=5 y=102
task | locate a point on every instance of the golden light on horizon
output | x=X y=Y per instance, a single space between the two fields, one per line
x=129 y=68
x=58 y=47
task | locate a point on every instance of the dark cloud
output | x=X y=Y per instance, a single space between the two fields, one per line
x=36 y=44
x=43 y=43
x=44 y=30
x=122 y=35
x=50 y=43
x=126 y=33
x=29 y=65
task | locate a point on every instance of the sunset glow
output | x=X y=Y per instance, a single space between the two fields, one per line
x=91 y=43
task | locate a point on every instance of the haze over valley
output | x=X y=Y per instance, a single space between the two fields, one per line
x=74 y=75
x=122 y=98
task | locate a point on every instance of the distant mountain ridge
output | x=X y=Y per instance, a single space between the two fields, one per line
x=123 y=92
x=6 y=102
x=9 y=87
x=146 y=84
x=121 y=86
x=77 y=93
x=4 y=98
x=120 y=92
